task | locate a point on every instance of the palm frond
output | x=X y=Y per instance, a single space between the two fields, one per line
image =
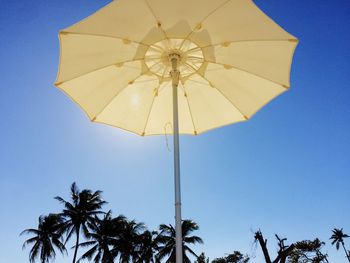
x=29 y=241
x=89 y=254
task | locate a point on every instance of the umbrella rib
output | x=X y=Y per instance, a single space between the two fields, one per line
x=190 y=68
x=164 y=72
x=246 y=71
x=189 y=108
x=143 y=81
x=156 y=18
x=149 y=113
x=96 y=69
x=231 y=102
x=156 y=47
x=203 y=19
x=102 y=35
x=162 y=88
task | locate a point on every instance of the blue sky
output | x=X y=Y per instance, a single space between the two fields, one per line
x=286 y=171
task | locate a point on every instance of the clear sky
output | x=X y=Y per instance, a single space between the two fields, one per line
x=286 y=171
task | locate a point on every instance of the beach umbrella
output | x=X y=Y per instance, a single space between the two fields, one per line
x=181 y=67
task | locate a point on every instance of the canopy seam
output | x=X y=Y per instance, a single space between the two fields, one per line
x=231 y=102
x=97 y=69
x=101 y=35
x=202 y=20
x=246 y=71
x=156 y=18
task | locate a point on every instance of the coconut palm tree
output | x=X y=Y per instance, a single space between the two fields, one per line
x=338 y=239
x=148 y=246
x=128 y=242
x=82 y=209
x=167 y=242
x=202 y=258
x=46 y=238
x=102 y=236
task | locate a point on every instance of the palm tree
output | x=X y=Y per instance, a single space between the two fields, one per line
x=167 y=239
x=46 y=238
x=202 y=258
x=338 y=239
x=128 y=242
x=148 y=246
x=82 y=209
x=102 y=236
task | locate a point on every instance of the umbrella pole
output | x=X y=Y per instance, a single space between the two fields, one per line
x=175 y=75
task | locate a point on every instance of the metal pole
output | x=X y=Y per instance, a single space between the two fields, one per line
x=175 y=75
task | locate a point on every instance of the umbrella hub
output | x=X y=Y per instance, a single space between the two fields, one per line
x=174 y=59
x=160 y=56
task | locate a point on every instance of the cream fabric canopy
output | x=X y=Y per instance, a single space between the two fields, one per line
x=233 y=61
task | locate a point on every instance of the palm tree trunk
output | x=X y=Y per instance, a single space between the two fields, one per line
x=76 y=245
x=346 y=252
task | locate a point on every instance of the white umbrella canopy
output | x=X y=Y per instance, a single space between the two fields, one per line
x=233 y=60
x=183 y=66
